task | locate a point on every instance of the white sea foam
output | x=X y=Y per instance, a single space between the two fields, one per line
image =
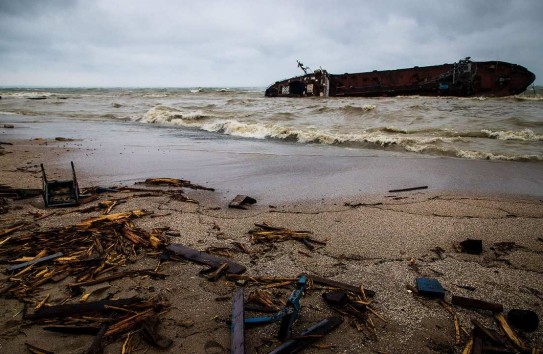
x=28 y=94
x=170 y=115
x=257 y=130
x=479 y=155
x=524 y=135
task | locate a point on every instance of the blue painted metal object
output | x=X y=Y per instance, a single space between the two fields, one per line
x=288 y=315
x=430 y=287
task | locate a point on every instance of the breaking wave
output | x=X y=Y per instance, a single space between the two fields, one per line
x=347 y=110
x=169 y=115
x=425 y=141
x=524 y=135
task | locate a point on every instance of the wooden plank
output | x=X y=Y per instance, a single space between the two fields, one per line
x=240 y=201
x=237 y=328
x=205 y=258
x=476 y=304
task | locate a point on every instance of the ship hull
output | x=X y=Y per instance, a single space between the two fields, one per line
x=463 y=79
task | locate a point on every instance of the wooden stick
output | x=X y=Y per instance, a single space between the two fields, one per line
x=509 y=332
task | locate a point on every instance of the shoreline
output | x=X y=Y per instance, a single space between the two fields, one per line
x=380 y=240
x=113 y=153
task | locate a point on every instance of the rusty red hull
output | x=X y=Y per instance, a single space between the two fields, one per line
x=463 y=79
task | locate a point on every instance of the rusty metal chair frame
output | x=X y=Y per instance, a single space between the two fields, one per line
x=58 y=193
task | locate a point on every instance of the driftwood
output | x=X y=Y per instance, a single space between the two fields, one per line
x=81 y=308
x=12 y=228
x=86 y=250
x=264 y=233
x=407 y=189
x=205 y=258
x=237 y=327
x=509 y=332
x=309 y=336
x=336 y=284
x=476 y=304
x=173 y=182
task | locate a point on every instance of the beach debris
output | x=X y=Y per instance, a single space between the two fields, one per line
x=173 y=182
x=205 y=258
x=237 y=326
x=509 y=332
x=19 y=193
x=476 y=304
x=272 y=282
x=487 y=333
x=9 y=126
x=34 y=261
x=467 y=287
x=260 y=300
x=407 y=189
x=450 y=309
x=107 y=319
x=67 y=310
x=355 y=305
x=525 y=320
x=430 y=287
x=339 y=285
x=12 y=228
x=36 y=350
x=287 y=315
x=265 y=233
x=468 y=348
x=336 y=298
x=60 y=138
x=309 y=336
x=60 y=193
x=37 y=98
x=241 y=202
x=472 y=246
x=86 y=250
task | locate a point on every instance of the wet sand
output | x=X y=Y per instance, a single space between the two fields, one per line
x=377 y=239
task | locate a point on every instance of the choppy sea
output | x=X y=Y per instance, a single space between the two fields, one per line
x=508 y=128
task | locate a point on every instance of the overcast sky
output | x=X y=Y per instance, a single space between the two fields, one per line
x=253 y=43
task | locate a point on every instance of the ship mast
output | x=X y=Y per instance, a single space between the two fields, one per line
x=301 y=66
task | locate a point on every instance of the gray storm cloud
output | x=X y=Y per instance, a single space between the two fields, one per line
x=247 y=43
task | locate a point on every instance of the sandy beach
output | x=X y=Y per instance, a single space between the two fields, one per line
x=376 y=239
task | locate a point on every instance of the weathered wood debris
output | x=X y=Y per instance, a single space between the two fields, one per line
x=264 y=233
x=173 y=182
x=91 y=249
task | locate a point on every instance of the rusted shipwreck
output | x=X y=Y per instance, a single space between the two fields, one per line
x=465 y=78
